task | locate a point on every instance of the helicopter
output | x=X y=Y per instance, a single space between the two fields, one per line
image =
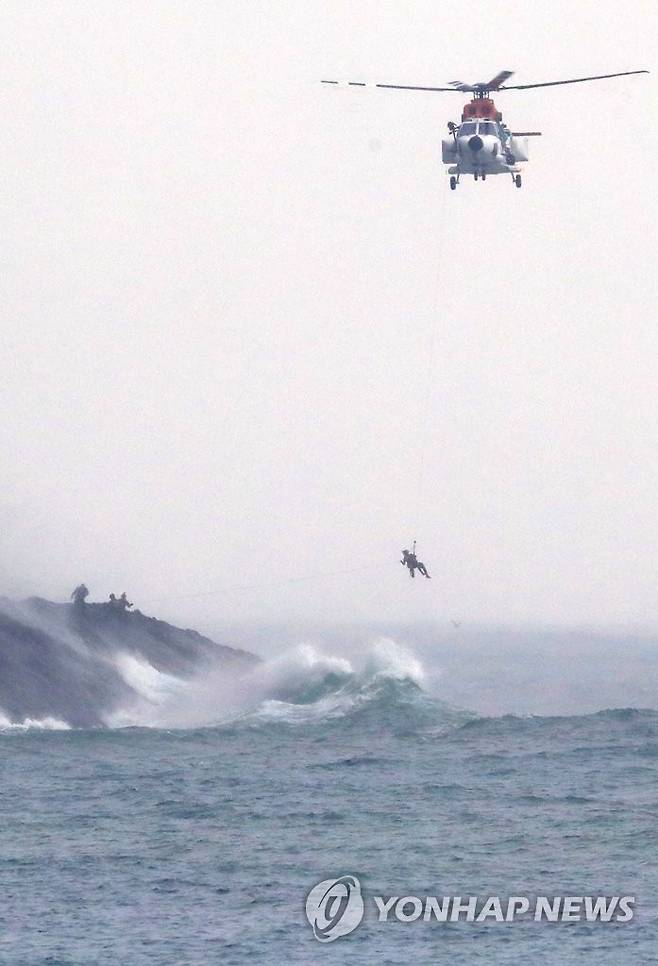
x=482 y=144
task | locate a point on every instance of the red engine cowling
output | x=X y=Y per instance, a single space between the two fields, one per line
x=482 y=108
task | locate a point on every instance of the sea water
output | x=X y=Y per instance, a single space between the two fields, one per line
x=198 y=845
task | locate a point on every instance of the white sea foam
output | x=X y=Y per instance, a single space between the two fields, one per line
x=38 y=724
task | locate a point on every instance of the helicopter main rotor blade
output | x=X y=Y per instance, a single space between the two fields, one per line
x=575 y=80
x=410 y=87
x=499 y=79
x=399 y=87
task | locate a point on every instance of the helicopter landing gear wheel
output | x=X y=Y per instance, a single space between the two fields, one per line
x=453 y=183
x=517 y=181
x=475 y=175
x=484 y=177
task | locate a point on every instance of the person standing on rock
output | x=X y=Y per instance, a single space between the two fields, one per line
x=123 y=603
x=78 y=596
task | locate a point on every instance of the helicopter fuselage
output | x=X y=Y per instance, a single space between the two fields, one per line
x=482 y=145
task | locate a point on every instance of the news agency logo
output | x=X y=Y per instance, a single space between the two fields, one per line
x=335 y=907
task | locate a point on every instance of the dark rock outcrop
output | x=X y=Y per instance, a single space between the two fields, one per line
x=58 y=660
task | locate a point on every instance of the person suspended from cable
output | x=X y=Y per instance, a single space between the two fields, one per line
x=410 y=560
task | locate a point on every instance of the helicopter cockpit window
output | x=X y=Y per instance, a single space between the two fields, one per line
x=487 y=127
x=467 y=128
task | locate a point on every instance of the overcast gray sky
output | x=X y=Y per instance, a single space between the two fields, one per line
x=222 y=282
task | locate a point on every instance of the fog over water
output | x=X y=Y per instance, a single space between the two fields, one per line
x=251 y=337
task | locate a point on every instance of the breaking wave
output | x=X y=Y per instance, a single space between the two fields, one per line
x=302 y=685
x=305 y=685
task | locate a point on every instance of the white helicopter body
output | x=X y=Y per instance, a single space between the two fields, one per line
x=482 y=148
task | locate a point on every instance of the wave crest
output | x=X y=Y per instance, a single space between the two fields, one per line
x=305 y=686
